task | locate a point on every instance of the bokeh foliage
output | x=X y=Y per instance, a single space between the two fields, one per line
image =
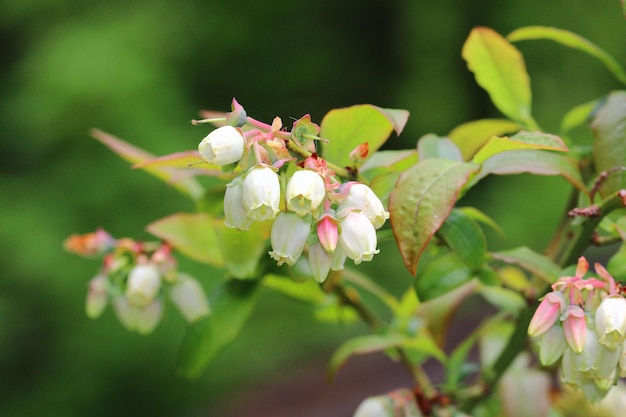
x=141 y=70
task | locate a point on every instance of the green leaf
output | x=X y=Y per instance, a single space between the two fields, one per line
x=359 y=346
x=537 y=264
x=396 y=160
x=519 y=141
x=465 y=237
x=481 y=217
x=572 y=40
x=421 y=201
x=457 y=362
x=242 y=249
x=536 y=162
x=423 y=345
x=578 y=115
x=349 y=127
x=192 y=234
x=609 y=130
x=181 y=179
x=503 y=298
x=471 y=136
x=366 y=283
x=441 y=276
x=308 y=290
x=617 y=264
x=499 y=68
x=433 y=146
x=231 y=305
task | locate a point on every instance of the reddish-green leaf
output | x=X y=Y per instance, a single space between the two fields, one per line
x=572 y=40
x=519 y=141
x=192 y=234
x=499 y=68
x=609 y=129
x=421 y=202
x=179 y=179
x=471 y=136
x=537 y=264
x=231 y=306
x=349 y=127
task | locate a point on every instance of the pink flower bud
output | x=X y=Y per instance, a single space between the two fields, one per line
x=261 y=193
x=187 y=294
x=611 y=321
x=143 y=284
x=574 y=327
x=328 y=233
x=548 y=312
x=222 y=146
x=288 y=237
x=235 y=215
x=305 y=191
x=358 y=237
x=361 y=197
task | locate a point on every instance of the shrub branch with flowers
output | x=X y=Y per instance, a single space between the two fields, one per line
x=321 y=196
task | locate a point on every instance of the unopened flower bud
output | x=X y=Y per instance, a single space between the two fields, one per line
x=361 y=197
x=305 y=191
x=552 y=344
x=288 y=237
x=97 y=296
x=235 y=215
x=136 y=319
x=222 y=146
x=611 y=321
x=328 y=233
x=574 y=327
x=144 y=282
x=261 y=193
x=319 y=262
x=358 y=237
x=338 y=260
x=548 y=312
x=187 y=294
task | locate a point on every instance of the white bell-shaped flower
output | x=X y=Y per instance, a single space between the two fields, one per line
x=222 y=146
x=235 y=215
x=319 y=262
x=361 y=197
x=188 y=295
x=143 y=284
x=611 y=321
x=261 y=193
x=305 y=191
x=288 y=237
x=137 y=319
x=358 y=237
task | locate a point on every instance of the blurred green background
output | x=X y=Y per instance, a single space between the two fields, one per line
x=141 y=70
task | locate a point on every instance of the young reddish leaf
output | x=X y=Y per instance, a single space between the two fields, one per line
x=192 y=234
x=537 y=264
x=359 y=346
x=521 y=140
x=179 y=179
x=609 y=130
x=232 y=304
x=421 y=202
x=499 y=68
x=536 y=162
x=471 y=136
x=350 y=127
x=572 y=40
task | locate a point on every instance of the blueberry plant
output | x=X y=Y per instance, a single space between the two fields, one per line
x=295 y=209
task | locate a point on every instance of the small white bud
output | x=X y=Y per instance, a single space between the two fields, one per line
x=144 y=282
x=187 y=294
x=222 y=146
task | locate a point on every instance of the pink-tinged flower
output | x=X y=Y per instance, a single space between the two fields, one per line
x=574 y=327
x=328 y=233
x=187 y=294
x=319 y=262
x=361 y=197
x=611 y=321
x=552 y=344
x=548 y=312
x=97 y=296
x=223 y=146
x=288 y=237
x=358 y=237
x=235 y=215
x=305 y=191
x=261 y=193
x=143 y=285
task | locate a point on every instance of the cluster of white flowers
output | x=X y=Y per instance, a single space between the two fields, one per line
x=583 y=323
x=313 y=212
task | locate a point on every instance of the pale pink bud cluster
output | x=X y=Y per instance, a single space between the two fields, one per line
x=583 y=323
x=136 y=279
